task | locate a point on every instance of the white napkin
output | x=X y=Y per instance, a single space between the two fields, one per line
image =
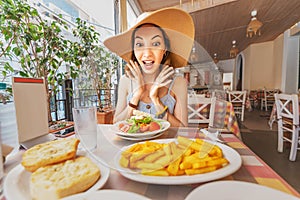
x=211 y=135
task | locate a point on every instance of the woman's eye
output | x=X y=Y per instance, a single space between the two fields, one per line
x=156 y=44
x=138 y=44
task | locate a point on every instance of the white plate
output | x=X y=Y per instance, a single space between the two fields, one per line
x=230 y=154
x=141 y=138
x=116 y=130
x=16 y=183
x=107 y=194
x=237 y=190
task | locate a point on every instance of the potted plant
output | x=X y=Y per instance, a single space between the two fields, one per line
x=96 y=70
x=38 y=46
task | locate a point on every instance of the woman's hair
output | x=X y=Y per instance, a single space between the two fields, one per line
x=165 y=37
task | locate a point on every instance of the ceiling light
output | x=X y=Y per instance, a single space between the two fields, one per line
x=254 y=26
x=215 y=58
x=234 y=50
x=194 y=56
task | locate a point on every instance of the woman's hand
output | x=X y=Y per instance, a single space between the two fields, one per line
x=164 y=78
x=132 y=71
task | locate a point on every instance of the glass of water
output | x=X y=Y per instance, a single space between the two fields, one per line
x=85 y=123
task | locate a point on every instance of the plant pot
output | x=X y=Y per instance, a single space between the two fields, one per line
x=105 y=117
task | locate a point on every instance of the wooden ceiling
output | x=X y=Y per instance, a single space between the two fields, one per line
x=219 y=22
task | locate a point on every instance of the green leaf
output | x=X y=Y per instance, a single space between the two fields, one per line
x=134 y=128
x=8 y=68
x=23 y=74
x=17 y=51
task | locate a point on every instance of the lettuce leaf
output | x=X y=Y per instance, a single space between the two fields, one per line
x=134 y=128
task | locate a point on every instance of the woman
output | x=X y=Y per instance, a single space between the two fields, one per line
x=158 y=43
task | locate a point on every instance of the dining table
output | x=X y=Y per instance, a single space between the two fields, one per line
x=252 y=170
x=255 y=97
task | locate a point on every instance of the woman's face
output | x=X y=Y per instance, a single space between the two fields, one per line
x=149 y=48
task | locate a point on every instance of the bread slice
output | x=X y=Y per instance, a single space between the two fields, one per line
x=63 y=179
x=49 y=153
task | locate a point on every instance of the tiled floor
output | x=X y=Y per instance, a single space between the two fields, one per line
x=257 y=135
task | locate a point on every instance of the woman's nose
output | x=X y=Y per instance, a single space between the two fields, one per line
x=147 y=51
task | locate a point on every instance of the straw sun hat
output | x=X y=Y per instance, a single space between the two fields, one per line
x=177 y=24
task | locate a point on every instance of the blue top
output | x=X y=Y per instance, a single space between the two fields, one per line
x=167 y=100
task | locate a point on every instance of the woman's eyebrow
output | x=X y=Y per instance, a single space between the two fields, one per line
x=155 y=37
x=138 y=37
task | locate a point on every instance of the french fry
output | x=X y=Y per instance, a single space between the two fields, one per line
x=200 y=171
x=148 y=166
x=217 y=152
x=212 y=152
x=192 y=158
x=174 y=167
x=188 y=152
x=124 y=162
x=167 y=149
x=184 y=141
x=173 y=148
x=160 y=172
x=199 y=141
x=136 y=156
x=126 y=154
x=216 y=162
x=153 y=145
x=196 y=146
x=206 y=158
x=134 y=148
x=180 y=172
x=164 y=160
x=185 y=165
x=198 y=165
x=154 y=156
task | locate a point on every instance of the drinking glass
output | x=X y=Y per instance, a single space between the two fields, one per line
x=85 y=123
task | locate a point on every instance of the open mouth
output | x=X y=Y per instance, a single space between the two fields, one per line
x=148 y=64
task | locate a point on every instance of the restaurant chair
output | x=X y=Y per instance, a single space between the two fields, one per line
x=288 y=122
x=268 y=98
x=238 y=100
x=199 y=110
x=219 y=94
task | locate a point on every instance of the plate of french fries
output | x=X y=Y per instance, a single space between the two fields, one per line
x=177 y=161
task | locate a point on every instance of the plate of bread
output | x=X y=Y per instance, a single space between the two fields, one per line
x=54 y=170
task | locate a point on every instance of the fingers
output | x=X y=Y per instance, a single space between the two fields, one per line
x=167 y=72
x=132 y=69
x=167 y=69
x=128 y=72
x=165 y=83
x=165 y=77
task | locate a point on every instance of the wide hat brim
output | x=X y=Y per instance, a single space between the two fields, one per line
x=177 y=24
